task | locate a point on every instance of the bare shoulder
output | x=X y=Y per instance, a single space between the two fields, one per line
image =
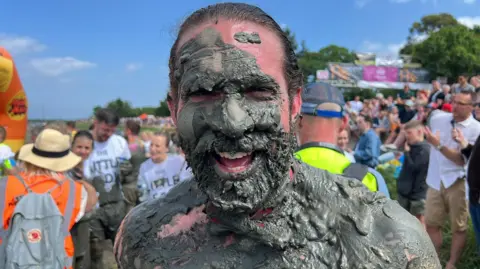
x=404 y=234
x=139 y=234
x=375 y=230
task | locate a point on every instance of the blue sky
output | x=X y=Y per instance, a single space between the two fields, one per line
x=73 y=55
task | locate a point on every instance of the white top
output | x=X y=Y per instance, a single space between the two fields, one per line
x=356 y=106
x=441 y=169
x=105 y=159
x=159 y=178
x=5 y=152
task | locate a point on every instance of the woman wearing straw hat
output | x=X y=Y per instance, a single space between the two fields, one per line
x=44 y=164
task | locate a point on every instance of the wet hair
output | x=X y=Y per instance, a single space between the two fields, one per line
x=107 y=116
x=164 y=134
x=71 y=124
x=83 y=133
x=3 y=134
x=133 y=126
x=239 y=12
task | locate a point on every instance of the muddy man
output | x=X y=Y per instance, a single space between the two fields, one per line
x=235 y=96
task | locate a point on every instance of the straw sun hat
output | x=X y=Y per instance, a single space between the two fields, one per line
x=51 y=151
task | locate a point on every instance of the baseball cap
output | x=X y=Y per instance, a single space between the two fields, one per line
x=318 y=93
x=447 y=107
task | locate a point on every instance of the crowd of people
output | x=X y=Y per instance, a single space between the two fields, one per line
x=432 y=132
x=261 y=174
x=113 y=172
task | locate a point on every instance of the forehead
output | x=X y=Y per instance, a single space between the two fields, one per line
x=268 y=54
x=462 y=98
x=160 y=139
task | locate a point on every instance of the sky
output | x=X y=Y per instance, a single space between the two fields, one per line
x=73 y=55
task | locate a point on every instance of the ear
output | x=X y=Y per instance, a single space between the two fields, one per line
x=296 y=104
x=344 y=122
x=171 y=107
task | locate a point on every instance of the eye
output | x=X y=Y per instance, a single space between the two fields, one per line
x=203 y=95
x=260 y=93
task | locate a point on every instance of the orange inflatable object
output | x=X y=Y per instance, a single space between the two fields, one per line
x=13 y=102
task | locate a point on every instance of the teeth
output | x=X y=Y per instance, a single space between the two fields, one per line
x=237 y=155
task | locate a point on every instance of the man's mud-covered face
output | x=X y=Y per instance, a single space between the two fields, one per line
x=233 y=115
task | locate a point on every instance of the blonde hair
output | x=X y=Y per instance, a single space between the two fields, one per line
x=30 y=170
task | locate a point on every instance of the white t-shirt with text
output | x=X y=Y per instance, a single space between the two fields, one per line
x=159 y=178
x=105 y=160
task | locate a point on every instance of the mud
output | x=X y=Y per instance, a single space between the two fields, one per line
x=242 y=114
x=280 y=213
x=243 y=37
x=324 y=221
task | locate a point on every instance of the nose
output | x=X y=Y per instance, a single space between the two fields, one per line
x=235 y=117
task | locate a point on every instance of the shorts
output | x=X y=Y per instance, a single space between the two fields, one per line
x=415 y=207
x=451 y=202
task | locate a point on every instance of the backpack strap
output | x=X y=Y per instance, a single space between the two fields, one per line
x=3 y=192
x=356 y=170
x=22 y=180
x=69 y=208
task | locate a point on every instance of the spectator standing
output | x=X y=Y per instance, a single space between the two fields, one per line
x=446 y=195
x=472 y=153
x=356 y=105
x=463 y=85
x=411 y=184
x=6 y=153
x=436 y=90
x=367 y=149
x=159 y=174
x=106 y=167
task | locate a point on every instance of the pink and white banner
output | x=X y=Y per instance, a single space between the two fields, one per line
x=380 y=73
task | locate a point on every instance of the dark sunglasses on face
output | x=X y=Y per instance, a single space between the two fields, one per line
x=477 y=105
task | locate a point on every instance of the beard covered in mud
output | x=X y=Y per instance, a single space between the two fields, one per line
x=251 y=204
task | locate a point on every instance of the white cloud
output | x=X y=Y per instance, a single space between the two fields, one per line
x=58 y=66
x=469 y=21
x=381 y=49
x=20 y=44
x=400 y=1
x=469 y=1
x=132 y=67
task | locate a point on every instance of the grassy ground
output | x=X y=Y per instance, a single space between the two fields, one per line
x=470 y=259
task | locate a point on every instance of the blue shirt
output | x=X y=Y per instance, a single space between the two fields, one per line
x=367 y=150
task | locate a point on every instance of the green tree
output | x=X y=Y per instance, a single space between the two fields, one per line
x=123 y=108
x=426 y=26
x=449 y=52
x=311 y=61
x=162 y=110
x=291 y=37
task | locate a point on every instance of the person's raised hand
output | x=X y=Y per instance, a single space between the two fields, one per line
x=433 y=139
x=457 y=135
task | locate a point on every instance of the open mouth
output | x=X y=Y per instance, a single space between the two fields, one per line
x=234 y=163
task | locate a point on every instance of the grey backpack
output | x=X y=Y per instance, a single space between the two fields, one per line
x=36 y=234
